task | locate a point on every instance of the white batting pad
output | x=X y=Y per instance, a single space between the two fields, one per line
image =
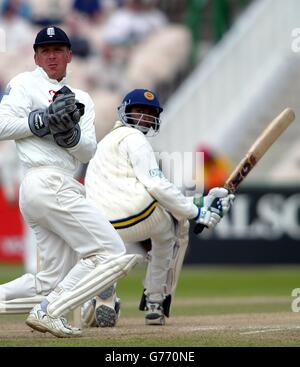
x=19 y=305
x=100 y=278
x=182 y=232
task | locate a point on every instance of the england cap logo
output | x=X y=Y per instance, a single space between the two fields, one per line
x=51 y=31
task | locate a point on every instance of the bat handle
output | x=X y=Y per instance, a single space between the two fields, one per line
x=199 y=228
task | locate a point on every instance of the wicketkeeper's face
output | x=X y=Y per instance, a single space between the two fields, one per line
x=53 y=59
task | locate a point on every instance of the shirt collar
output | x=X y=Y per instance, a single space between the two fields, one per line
x=42 y=72
x=117 y=125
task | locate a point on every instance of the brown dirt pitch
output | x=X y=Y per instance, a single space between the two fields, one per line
x=251 y=329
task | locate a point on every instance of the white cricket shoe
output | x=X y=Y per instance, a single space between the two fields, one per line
x=154 y=314
x=107 y=308
x=59 y=327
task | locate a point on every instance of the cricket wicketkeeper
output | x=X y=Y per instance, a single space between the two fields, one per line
x=53 y=127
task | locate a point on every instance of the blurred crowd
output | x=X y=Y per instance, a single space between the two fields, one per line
x=117 y=45
x=216 y=168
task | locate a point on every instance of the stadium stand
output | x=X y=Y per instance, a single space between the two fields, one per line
x=242 y=84
x=129 y=43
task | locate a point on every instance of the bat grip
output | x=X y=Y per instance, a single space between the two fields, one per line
x=199 y=228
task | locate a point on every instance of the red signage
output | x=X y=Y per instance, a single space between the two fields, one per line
x=11 y=231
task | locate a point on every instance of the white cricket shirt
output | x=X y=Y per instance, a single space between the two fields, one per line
x=32 y=90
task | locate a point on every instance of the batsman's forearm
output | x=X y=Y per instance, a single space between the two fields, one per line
x=171 y=198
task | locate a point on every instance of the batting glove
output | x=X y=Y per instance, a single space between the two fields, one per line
x=218 y=198
x=208 y=217
x=226 y=203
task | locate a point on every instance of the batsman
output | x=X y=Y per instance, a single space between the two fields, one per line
x=124 y=181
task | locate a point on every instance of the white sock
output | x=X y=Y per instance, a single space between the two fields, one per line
x=44 y=305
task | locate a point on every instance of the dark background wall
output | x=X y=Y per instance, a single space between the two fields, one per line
x=263 y=227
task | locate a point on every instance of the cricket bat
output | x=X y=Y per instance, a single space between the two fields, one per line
x=261 y=145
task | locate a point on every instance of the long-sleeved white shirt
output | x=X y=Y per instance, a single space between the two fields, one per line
x=10 y=173
x=32 y=90
x=147 y=172
x=123 y=178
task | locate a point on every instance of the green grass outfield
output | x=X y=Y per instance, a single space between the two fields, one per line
x=214 y=306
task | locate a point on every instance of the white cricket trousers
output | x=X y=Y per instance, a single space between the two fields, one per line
x=67 y=228
x=160 y=227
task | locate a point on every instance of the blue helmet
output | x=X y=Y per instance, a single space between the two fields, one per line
x=141 y=97
x=51 y=35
